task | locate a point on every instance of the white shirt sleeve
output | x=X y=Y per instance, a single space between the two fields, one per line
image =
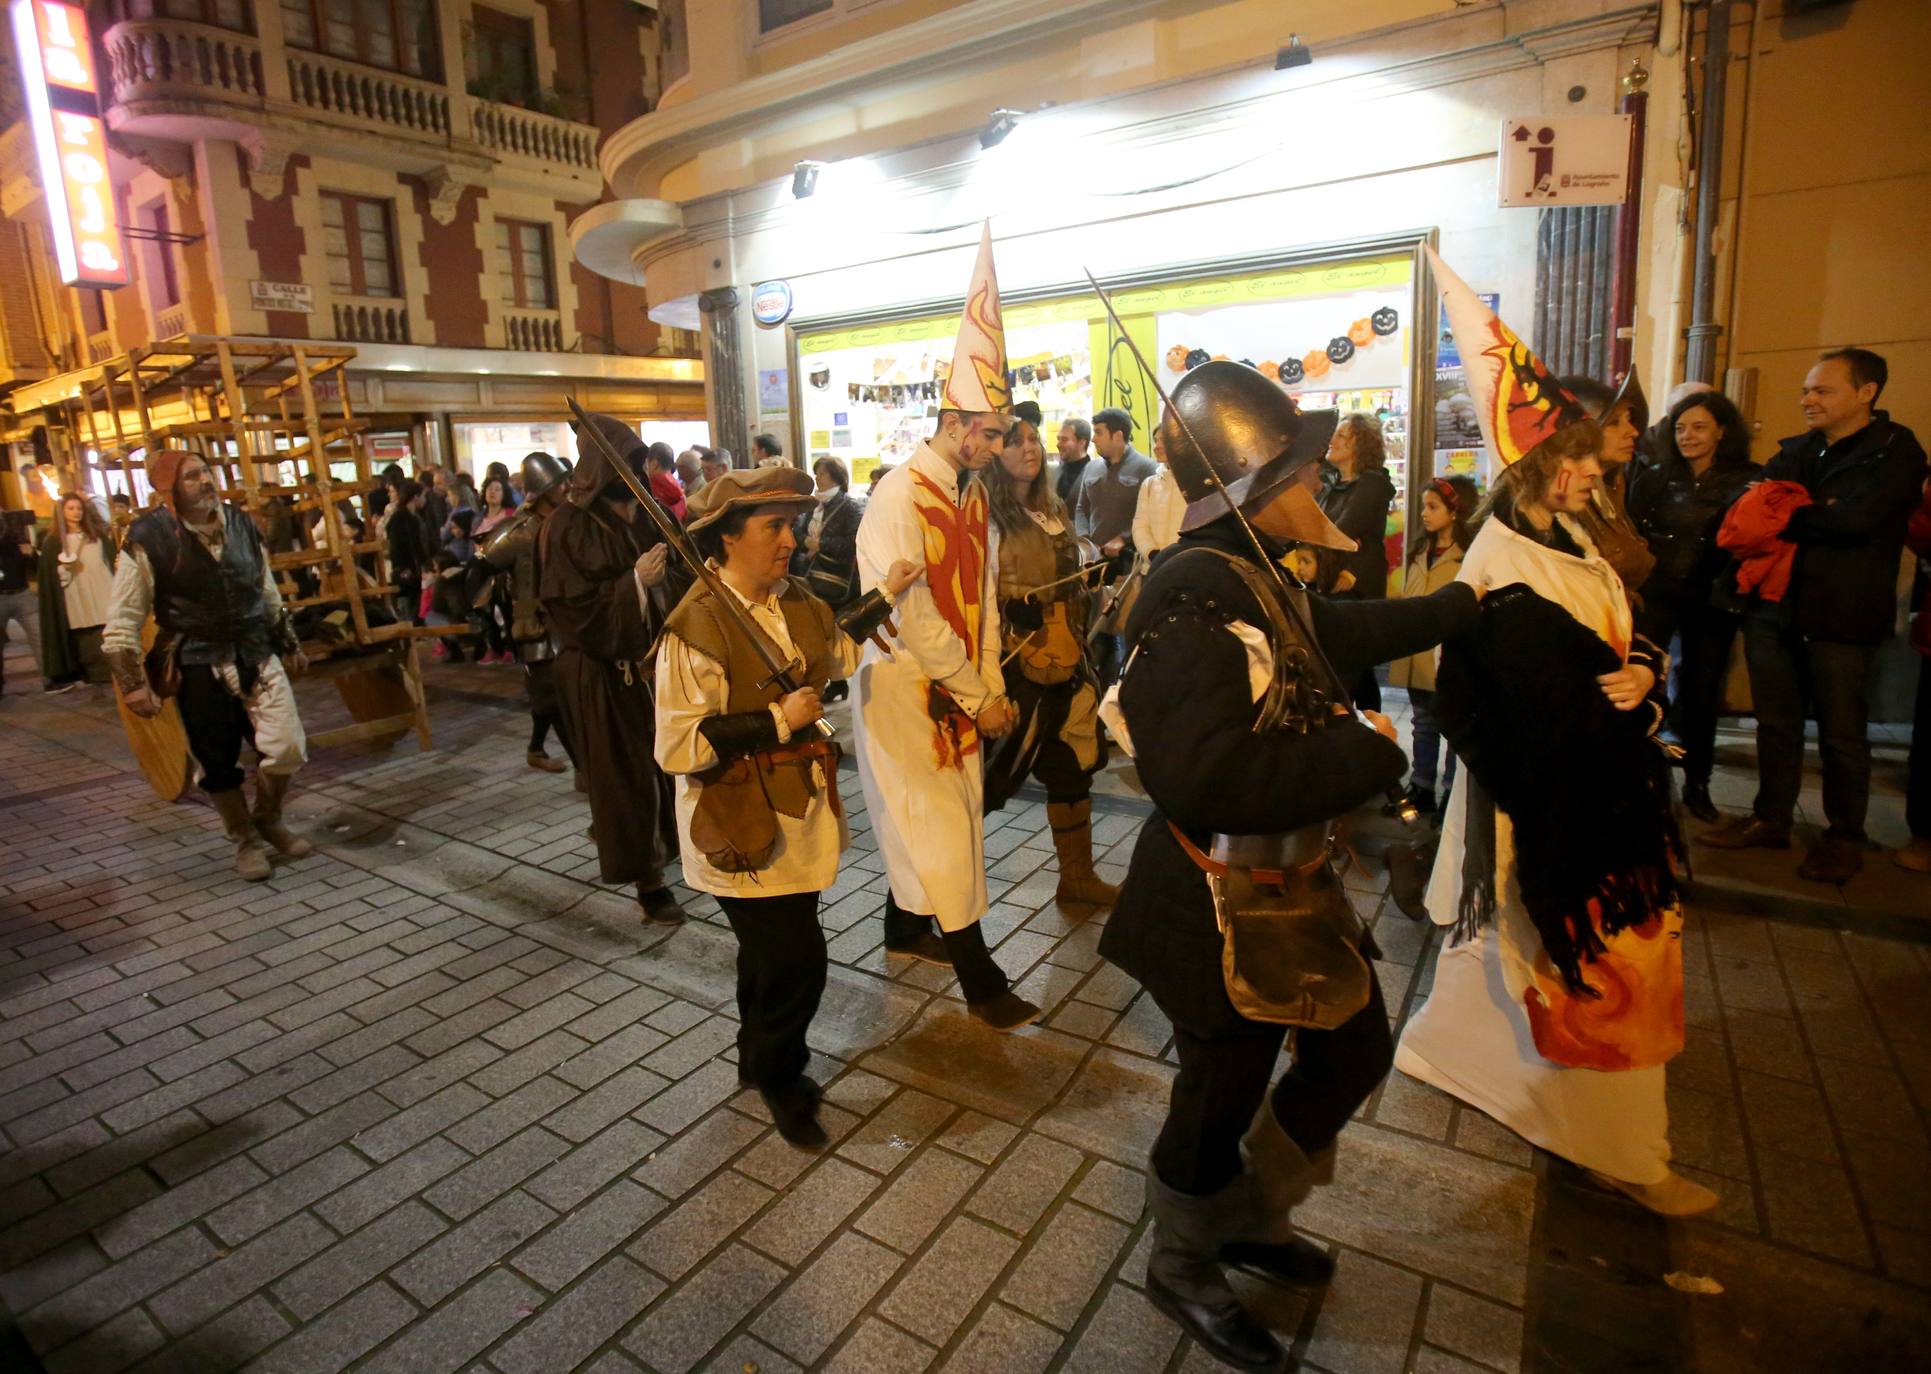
x=130 y=602
x=691 y=688
x=1144 y=538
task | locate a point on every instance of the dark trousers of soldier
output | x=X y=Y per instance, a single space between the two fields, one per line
x=545 y=712
x=1223 y=1080
x=781 y=977
x=217 y=725
x=1036 y=747
x=980 y=977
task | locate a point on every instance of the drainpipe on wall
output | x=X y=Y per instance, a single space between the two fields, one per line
x=1699 y=362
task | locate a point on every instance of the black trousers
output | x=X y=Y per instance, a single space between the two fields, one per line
x=781 y=977
x=1917 y=790
x=217 y=725
x=1789 y=673
x=1707 y=635
x=1223 y=1080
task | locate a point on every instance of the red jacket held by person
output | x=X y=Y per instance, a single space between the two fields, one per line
x=1753 y=531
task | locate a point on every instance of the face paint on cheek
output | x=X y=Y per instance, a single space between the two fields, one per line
x=1559 y=490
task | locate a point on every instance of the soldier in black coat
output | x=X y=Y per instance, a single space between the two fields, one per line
x=1250 y=791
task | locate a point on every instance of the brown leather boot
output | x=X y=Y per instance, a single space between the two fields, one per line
x=251 y=860
x=270 y=791
x=1079 y=885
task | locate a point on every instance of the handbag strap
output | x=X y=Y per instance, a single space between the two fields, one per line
x=1214 y=868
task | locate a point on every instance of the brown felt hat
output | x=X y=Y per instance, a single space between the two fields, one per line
x=748 y=487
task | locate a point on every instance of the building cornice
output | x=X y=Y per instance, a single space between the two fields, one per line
x=1472 y=48
x=635 y=158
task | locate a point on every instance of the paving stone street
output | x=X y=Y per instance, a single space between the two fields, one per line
x=432 y=1099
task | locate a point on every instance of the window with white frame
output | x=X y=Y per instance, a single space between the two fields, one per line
x=359 y=243
x=524 y=264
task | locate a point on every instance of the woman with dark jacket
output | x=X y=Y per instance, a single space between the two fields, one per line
x=1357 y=499
x=1677 y=505
x=411 y=547
x=827 y=553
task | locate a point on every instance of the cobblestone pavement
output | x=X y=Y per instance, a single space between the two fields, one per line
x=433 y=1100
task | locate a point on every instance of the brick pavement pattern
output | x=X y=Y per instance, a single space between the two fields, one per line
x=433 y=1100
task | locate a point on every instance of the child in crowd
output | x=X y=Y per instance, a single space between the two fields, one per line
x=1434 y=558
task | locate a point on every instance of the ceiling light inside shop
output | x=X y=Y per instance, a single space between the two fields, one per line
x=804 y=178
x=1293 y=55
x=1002 y=123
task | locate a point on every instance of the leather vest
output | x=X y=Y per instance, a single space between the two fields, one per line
x=216 y=608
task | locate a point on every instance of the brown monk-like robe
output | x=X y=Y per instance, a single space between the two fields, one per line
x=604 y=626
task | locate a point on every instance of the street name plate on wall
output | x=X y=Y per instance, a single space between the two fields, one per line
x=1564 y=160
x=282 y=295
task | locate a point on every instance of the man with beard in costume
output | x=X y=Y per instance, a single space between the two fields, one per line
x=512 y=550
x=926 y=706
x=200 y=566
x=1232 y=705
x=605 y=589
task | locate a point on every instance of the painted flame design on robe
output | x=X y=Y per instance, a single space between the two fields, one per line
x=956 y=545
x=1637 y=1022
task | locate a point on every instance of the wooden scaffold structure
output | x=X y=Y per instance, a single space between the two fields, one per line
x=270 y=418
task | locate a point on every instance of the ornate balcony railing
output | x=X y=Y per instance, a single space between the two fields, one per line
x=172 y=321
x=169 y=58
x=361 y=320
x=509 y=131
x=100 y=347
x=384 y=99
x=534 y=331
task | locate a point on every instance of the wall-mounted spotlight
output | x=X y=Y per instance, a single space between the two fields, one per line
x=1002 y=123
x=1293 y=55
x=804 y=178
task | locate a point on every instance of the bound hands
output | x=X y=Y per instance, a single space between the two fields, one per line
x=1627 y=686
x=999 y=716
x=801 y=708
x=651 y=566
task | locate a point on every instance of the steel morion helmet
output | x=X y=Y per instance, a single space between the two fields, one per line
x=1255 y=438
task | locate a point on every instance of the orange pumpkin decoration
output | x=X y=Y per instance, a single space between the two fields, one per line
x=1177 y=358
x=1361 y=333
x=1315 y=363
x=1271 y=370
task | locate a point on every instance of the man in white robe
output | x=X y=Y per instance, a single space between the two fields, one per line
x=924 y=708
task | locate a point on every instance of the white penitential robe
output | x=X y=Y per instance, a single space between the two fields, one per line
x=918 y=761
x=1472 y=1038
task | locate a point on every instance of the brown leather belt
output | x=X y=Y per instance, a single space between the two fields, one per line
x=823 y=749
x=1214 y=868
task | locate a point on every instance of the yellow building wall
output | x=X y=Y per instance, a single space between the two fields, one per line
x=1826 y=182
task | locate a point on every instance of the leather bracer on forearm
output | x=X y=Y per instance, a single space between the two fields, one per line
x=126 y=666
x=738 y=733
x=862 y=618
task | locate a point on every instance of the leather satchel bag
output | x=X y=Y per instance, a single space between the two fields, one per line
x=1290 y=953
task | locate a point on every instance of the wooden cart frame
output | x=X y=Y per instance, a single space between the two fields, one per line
x=252 y=408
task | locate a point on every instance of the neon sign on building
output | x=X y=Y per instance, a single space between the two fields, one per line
x=63 y=104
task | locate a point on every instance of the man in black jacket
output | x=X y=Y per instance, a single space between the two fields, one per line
x=1864 y=474
x=1244 y=740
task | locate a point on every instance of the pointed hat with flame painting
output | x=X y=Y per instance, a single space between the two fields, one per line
x=977 y=382
x=1518 y=401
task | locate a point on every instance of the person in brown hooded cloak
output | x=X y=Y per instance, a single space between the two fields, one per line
x=606 y=589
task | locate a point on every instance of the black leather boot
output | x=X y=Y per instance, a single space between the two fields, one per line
x=1184 y=1278
x=1278 y=1178
x=910 y=934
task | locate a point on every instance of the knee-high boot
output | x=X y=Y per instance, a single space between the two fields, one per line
x=251 y=860
x=1278 y=1177
x=1184 y=1278
x=1072 y=824
x=271 y=789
